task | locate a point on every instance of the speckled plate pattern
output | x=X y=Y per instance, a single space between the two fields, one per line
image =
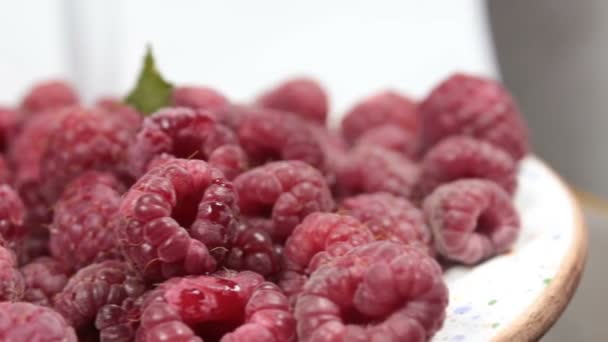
x=492 y=296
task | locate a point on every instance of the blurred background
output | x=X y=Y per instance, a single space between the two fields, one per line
x=550 y=53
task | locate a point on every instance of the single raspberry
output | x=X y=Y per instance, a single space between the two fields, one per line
x=471 y=220
x=389 y=218
x=334 y=150
x=12 y=284
x=29 y=322
x=176 y=217
x=185 y=133
x=96 y=141
x=85 y=219
x=302 y=96
x=381 y=291
x=9 y=120
x=286 y=191
x=114 y=107
x=44 y=277
x=375 y=169
x=49 y=95
x=12 y=216
x=387 y=107
x=460 y=157
x=118 y=322
x=268 y=135
x=197 y=98
x=92 y=287
x=392 y=137
x=469 y=105
x=252 y=249
x=210 y=307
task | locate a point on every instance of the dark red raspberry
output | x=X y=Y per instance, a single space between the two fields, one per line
x=44 y=277
x=96 y=141
x=118 y=322
x=387 y=107
x=471 y=220
x=176 y=217
x=389 y=218
x=252 y=249
x=460 y=157
x=381 y=291
x=85 y=220
x=49 y=95
x=12 y=284
x=6 y=176
x=268 y=135
x=376 y=169
x=92 y=287
x=9 y=119
x=302 y=96
x=392 y=137
x=286 y=191
x=35 y=244
x=12 y=216
x=197 y=98
x=469 y=105
x=186 y=133
x=29 y=322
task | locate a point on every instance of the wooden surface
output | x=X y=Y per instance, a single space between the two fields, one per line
x=544 y=312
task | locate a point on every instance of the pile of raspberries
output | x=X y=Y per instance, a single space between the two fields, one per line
x=210 y=220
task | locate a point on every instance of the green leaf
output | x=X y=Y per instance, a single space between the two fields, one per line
x=152 y=91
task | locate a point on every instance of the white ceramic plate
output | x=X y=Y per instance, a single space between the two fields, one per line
x=519 y=295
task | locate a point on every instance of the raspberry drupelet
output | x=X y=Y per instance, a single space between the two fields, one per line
x=474 y=106
x=23 y=321
x=197 y=97
x=177 y=219
x=471 y=220
x=85 y=219
x=44 y=277
x=12 y=284
x=381 y=291
x=461 y=157
x=252 y=248
x=392 y=137
x=118 y=322
x=387 y=107
x=49 y=95
x=302 y=96
x=285 y=191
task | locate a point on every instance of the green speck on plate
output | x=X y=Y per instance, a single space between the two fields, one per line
x=495 y=325
x=492 y=302
x=547 y=281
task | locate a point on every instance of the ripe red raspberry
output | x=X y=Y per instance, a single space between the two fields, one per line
x=268 y=135
x=460 y=157
x=334 y=150
x=6 y=176
x=471 y=220
x=176 y=217
x=469 y=105
x=302 y=96
x=197 y=98
x=252 y=249
x=376 y=169
x=85 y=220
x=389 y=218
x=44 y=277
x=49 y=95
x=387 y=107
x=118 y=322
x=92 y=287
x=12 y=284
x=392 y=137
x=185 y=133
x=9 y=119
x=12 y=215
x=286 y=191
x=382 y=291
x=29 y=322
x=114 y=107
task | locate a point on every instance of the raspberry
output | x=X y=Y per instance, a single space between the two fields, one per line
x=197 y=98
x=175 y=217
x=11 y=282
x=12 y=214
x=389 y=218
x=211 y=307
x=382 y=291
x=5 y=172
x=376 y=169
x=334 y=150
x=252 y=249
x=471 y=220
x=122 y=111
x=473 y=106
x=286 y=191
x=33 y=246
x=460 y=157
x=392 y=137
x=29 y=322
x=96 y=141
x=268 y=135
x=86 y=216
x=302 y=96
x=9 y=119
x=186 y=133
x=49 y=95
x=44 y=277
x=387 y=107
x=118 y=323
x=92 y=287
